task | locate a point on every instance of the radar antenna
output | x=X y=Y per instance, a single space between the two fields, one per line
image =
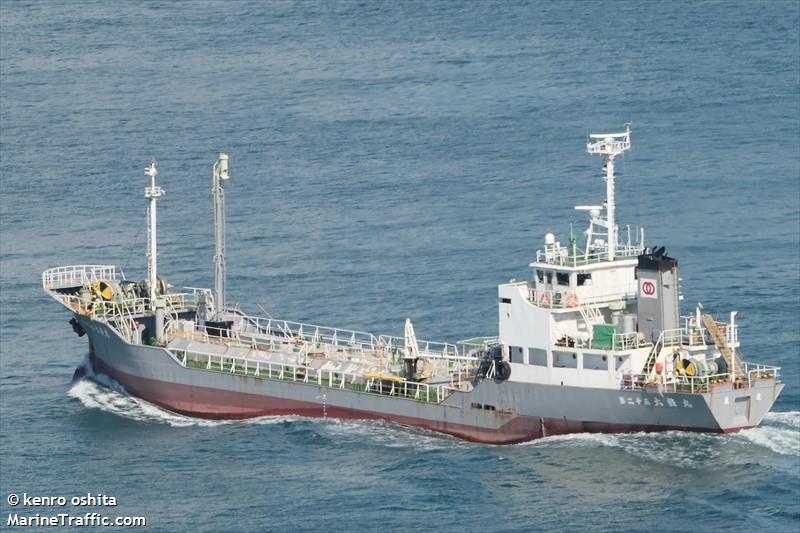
x=610 y=145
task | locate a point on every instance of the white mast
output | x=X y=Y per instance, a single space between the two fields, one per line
x=153 y=192
x=610 y=145
x=219 y=173
x=410 y=344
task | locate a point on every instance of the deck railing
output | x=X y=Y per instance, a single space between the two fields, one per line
x=441 y=350
x=560 y=255
x=77 y=275
x=700 y=384
x=566 y=298
x=346 y=338
x=298 y=331
x=628 y=341
x=382 y=385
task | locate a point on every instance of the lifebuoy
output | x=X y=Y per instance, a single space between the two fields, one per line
x=572 y=300
x=502 y=370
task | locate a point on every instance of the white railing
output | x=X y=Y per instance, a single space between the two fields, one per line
x=690 y=384
x=77 y=275
x=121 y=313
x=312 y=333
x=475 y=344
x=627 y=341
x=552 y=299
x=698 y=332
x=439 y=350
x=105 y=309
x=700 y=384
x=298 y=331
x=682 y=337
x=567 y=298
x=560 y=256
x=755 y=371
x=360 y=382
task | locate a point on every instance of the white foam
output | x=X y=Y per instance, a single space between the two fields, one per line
x=779 y=432
x=591 y=440
x=98 y=391
x=390 y=434
x=786 y=418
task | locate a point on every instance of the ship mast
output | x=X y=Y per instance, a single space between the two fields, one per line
x=153 y=192
x=219 y=173
x=610 y=145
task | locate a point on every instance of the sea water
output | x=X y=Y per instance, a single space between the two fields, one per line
x=393 y=160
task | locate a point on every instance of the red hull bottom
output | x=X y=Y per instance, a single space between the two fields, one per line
x=217 y=404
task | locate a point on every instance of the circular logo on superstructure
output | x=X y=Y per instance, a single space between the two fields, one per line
x=648 y=288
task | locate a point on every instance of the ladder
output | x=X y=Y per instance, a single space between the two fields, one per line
x=720 y=340
x=591 y=315
x=650 y=362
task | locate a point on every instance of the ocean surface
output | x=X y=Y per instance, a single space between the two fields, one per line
x=393 y=160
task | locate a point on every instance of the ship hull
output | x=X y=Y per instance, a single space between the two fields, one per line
x=495 y=412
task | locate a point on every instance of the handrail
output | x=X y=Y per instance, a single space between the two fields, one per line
x=125 y=307
x=699 y=384
x=627 y=341
x=560 y=256
x=310 y=332
x=568 y=299
x=330 y=378
x=77 y=275
x=442 y=350
x=300 y=331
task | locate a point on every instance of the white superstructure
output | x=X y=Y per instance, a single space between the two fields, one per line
x=592 y=314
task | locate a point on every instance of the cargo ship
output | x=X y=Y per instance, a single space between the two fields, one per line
x=594 y=341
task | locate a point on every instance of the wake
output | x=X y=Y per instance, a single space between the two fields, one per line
x=99 y=391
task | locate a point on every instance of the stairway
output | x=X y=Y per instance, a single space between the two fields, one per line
x=719 y=339
x=591 y=315
x=650 y=362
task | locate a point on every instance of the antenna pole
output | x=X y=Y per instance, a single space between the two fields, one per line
x=219 y=173
x=153 y=192
x=610 y=145
x=611 y=208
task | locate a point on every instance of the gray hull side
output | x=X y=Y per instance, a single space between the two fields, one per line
x=492 y=412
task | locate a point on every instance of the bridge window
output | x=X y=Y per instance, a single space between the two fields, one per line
x=595 y=362
x=537 y=356
x=565 y=359
x=583 y=278
x=562 y=278
x=515 y=354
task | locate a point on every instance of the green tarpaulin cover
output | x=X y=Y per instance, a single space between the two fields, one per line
x=603 y=335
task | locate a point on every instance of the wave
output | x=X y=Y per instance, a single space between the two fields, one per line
x=99 y=391
x=392 y=435
x=779 y=432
